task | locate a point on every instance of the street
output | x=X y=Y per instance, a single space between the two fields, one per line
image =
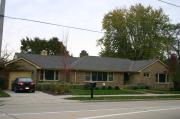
x=44 y=106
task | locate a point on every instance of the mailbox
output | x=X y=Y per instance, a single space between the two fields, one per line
x=92 y=84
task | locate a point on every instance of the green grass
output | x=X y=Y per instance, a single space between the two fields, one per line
x=104 y=92
x=4 y=94
x=125 y=98
x=158 y=91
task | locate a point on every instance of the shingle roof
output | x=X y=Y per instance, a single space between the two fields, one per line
x=109 y=64
x=92 y=63
x=47 y=62
x=138 y=65
x=101 y=64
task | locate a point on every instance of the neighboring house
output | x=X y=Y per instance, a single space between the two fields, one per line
x=102 y=70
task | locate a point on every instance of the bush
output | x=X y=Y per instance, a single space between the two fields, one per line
x=138 y=86
x=96 y=88
x=54 y=88
x=59 y=89
x=46 y=87
x=103 y=87
x=86 y=87
x=116 y=88
x=39 y=87
x=133 y=87
x=177 y=85
x=50 y=87
x=75 y=86
x=109 y=87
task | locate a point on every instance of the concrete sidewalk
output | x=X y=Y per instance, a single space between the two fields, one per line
x=123 y=95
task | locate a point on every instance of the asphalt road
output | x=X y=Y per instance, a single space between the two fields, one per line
x=43 y=106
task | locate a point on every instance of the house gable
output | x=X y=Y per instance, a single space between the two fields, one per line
x=157 y=64
x=23 y=64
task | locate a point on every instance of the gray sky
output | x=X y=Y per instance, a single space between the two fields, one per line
x=78 y=13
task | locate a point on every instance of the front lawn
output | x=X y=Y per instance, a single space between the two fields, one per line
x=158 y=91
x=60 y=89
x=125 y=98
x=4 y=94
x=105 y=92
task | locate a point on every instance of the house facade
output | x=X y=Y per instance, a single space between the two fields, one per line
x=102 y=70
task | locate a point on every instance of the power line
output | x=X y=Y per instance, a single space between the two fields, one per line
x=169 y=3
x=49 y=23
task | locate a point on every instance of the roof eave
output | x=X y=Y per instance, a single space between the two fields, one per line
x=140 y=70
x=12 y=61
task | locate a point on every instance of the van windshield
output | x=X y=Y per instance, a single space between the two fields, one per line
x=25 y=80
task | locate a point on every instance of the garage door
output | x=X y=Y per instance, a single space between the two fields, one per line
x=14 y=75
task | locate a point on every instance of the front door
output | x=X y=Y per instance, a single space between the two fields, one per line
x=126 y=78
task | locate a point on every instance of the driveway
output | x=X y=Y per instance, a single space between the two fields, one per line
x=32 y=98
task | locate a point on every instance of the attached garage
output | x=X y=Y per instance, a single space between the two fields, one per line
x=13 y=75
x=21 y=68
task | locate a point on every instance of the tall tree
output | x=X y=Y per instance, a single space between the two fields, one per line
x=176 y=43
x=83 y=53
x=136 y=33
x=34 y=46
x=174 y=68
x=174 y=63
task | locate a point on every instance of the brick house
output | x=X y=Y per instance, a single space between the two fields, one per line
x=102 y=70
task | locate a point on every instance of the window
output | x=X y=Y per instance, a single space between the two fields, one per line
x=102 y=76
x=94 y=76
x=146 y=75
x=57 y=75
x=49 y=75
x=97 y=76
x=25 y=80
x=41 y=75
x=110 y=76
x=162 y=78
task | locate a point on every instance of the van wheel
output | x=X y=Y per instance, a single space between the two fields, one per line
x=33 y=91
x=15 y=90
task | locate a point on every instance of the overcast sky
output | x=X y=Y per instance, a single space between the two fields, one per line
x=78 y=13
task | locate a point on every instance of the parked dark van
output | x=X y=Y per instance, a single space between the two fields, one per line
x=23 y=84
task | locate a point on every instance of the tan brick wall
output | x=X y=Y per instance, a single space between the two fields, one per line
x=138 y=78
x=23 y=65
x=80 y=78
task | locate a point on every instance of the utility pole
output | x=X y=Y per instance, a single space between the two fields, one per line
x=2 y=10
